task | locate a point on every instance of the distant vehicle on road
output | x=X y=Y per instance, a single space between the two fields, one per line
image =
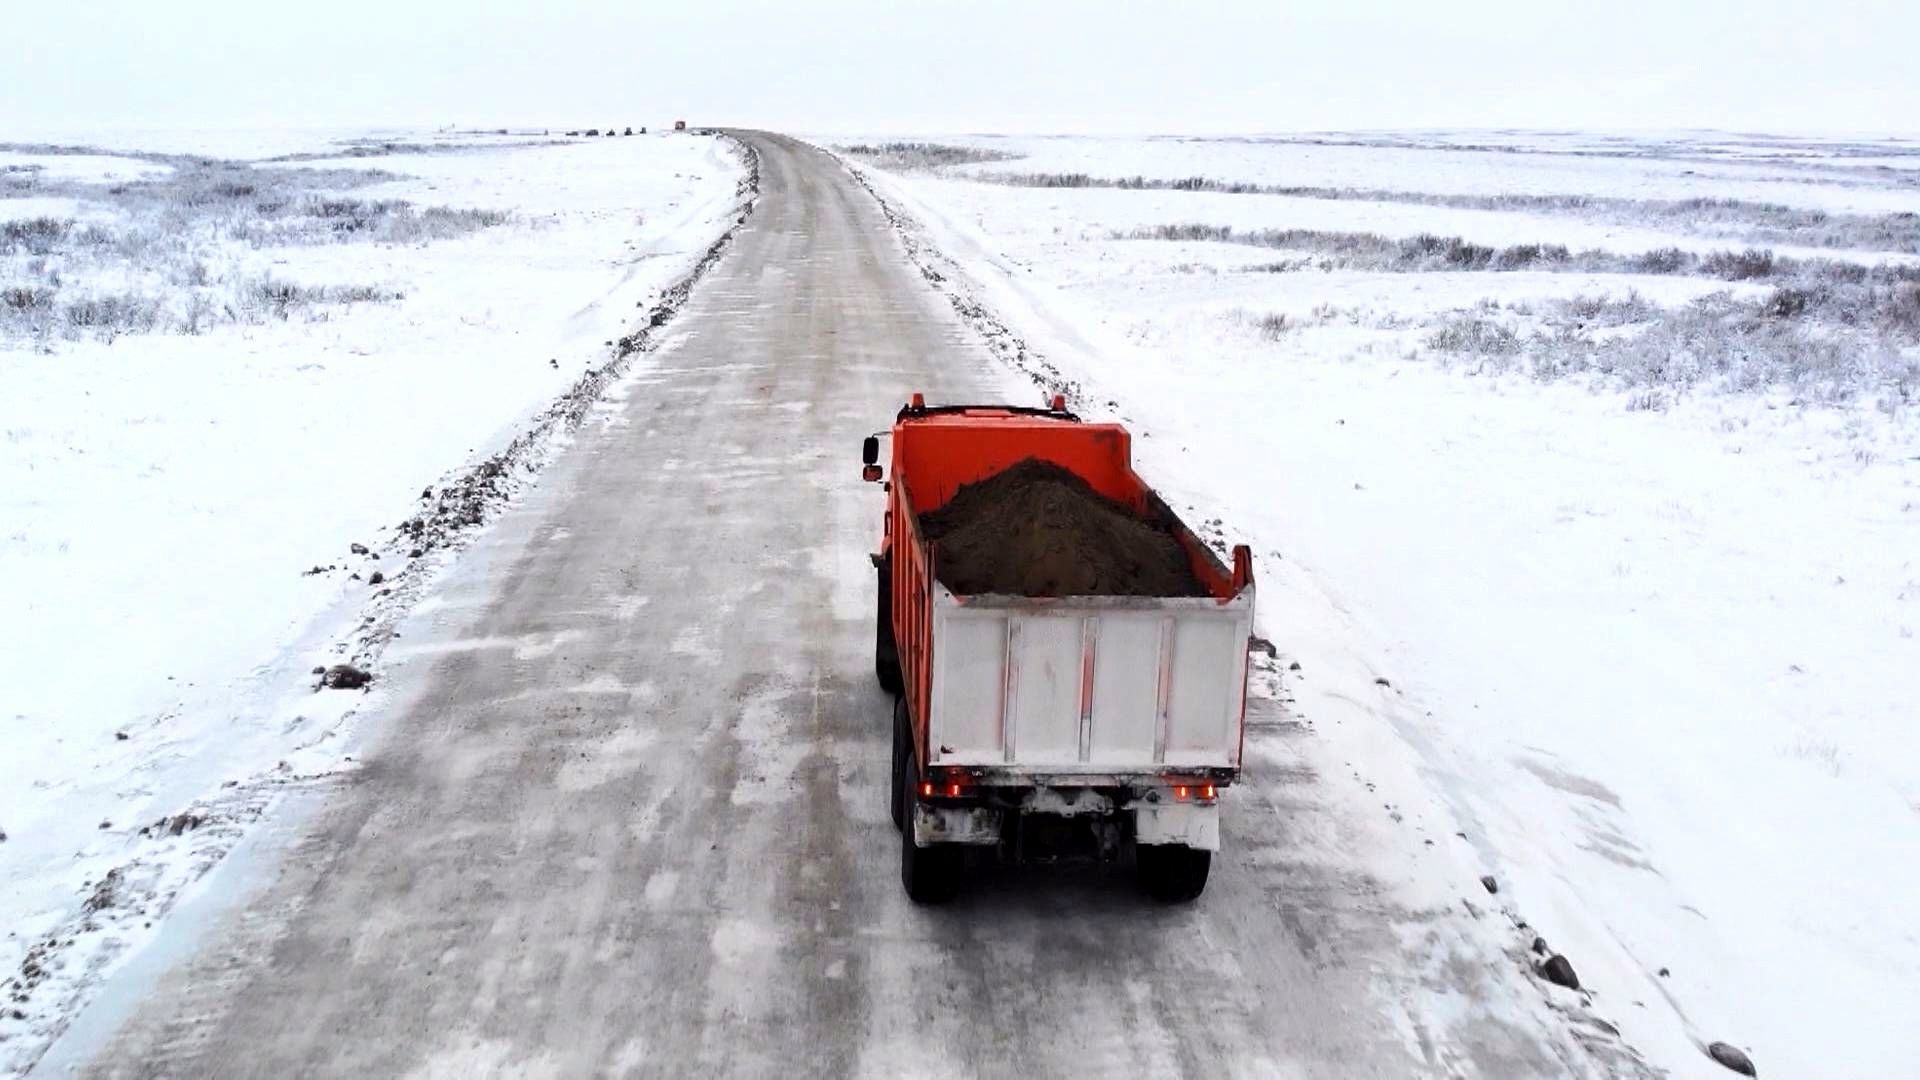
x=1069 y=707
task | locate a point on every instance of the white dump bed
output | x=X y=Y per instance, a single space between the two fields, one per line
x=1095 y=687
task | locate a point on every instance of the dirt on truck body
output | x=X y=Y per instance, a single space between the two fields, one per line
x=1038 y=530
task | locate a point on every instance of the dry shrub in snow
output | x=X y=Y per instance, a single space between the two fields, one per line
x=26 y=298
x=1824 y=290
x=1272 y=325
x=922 y=155
x=270 y=297
x=1901 y=312
x=1529 y=256
x=1606 y=311
x=1447 y=252
x=1474 y=335
x=113 y=314
x=174 y=246
x=33 y=236
x=39 y=313
x=1718 y=342
x=1739 y=265
x=1736 y=220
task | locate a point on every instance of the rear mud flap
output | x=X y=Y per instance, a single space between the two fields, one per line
x=955 y=825
x=1188 y=824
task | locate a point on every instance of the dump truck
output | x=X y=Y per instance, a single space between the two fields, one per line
x=1042 y=723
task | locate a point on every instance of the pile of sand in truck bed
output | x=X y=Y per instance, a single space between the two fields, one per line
x=1036 y=529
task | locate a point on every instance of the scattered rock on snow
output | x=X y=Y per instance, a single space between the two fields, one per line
x=415 y=553
x=180 y=823
x=1733 y=1058
x=1664 y=973
x=1381 y=680
x=376 y=578
x=1540 y=946
x=345 y=677
x=121 y=736
x=1487 y=880
x=357 y=549
x=1295 y=666
x=1558 y=970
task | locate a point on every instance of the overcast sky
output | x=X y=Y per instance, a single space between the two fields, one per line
x=996 y=65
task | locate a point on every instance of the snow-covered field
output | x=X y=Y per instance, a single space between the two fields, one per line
x=218 y=377
x=1611 y=576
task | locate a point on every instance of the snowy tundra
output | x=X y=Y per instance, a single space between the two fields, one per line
x=229 y=365
x=1585 y=476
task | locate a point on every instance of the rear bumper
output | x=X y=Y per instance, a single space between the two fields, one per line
x=1194 y=825
x=1133 y=779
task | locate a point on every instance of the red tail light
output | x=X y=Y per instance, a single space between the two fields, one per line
x=1207 y=792
x=1180 y=793
x=926 y=791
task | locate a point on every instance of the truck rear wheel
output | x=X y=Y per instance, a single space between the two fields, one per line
x=1173 y=873
x=931 y=875
x=886 y=652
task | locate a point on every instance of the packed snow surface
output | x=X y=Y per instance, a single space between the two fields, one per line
x=1649 y=631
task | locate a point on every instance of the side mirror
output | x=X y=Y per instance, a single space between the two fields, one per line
x=870 y=450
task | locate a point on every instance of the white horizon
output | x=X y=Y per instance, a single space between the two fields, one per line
x=866 y=66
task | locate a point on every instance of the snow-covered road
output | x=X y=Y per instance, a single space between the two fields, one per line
x=621 y=809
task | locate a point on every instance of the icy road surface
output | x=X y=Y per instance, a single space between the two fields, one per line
x=625 y=814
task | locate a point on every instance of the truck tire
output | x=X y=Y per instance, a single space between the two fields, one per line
x=1173 y=873
x=896 y=787
x=931 y=875
x=886 y=652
